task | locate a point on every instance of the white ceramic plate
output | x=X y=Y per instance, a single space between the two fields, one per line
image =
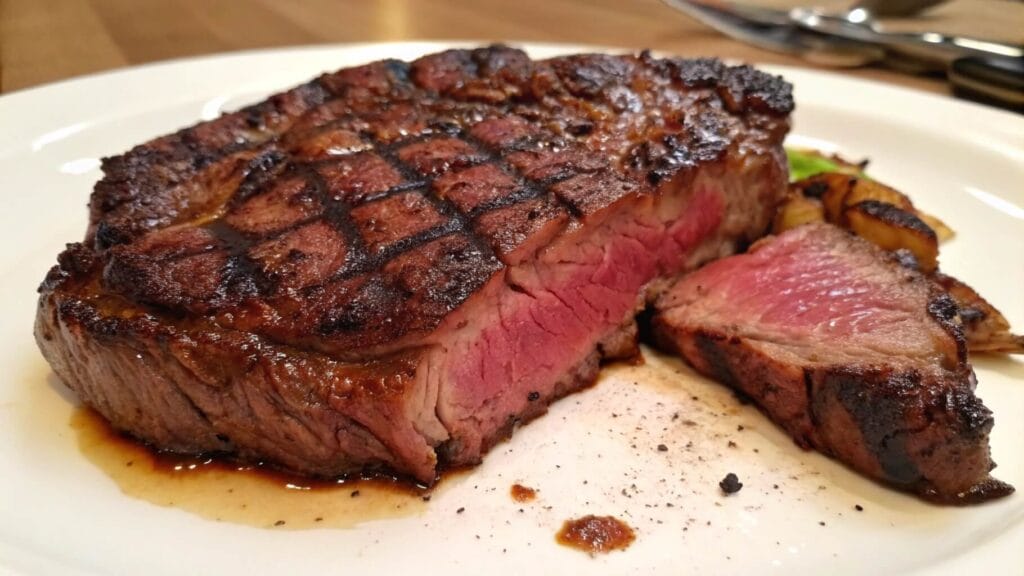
x=60 y=514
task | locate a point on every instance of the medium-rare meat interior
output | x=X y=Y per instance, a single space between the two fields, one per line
x=391 y=266
x=849 y=351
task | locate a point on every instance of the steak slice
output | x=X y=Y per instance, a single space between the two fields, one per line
x=391 y=266
x=853 y=354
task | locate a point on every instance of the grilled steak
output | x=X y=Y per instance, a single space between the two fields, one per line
x=853 y=354
x=389 y=267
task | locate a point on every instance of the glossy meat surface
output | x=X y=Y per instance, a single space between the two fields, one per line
x=356 y=274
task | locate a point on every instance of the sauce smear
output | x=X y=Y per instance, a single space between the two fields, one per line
x=227 y=492
x=522 y=493
x=594 y=534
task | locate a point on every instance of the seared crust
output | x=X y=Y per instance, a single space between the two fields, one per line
x=290 y=283
x=417 y=181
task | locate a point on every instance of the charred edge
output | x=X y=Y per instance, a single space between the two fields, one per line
x=73 y=312
x=676 y=153
x=109 y=235
x=988 y=489
x=739 y=87
x=877 y=409
x=710 y=346
x=129 y=176
x=944 y=310
x=895 y=215
x=972 y=419
x=76 y=261
x=313 y=93
x=260 y=171
x=907 y=259
x=972 y=316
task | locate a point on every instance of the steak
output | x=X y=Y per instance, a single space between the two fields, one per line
x=388 y=268
x=851 y=353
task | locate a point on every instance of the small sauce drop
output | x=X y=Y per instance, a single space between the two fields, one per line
x=226 y=492
x=594 y=534
x=522 y=493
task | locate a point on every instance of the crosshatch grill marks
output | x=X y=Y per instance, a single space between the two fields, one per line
x=353 y=358
x=337 y=215
x=456 y=220
x=530 y=188
x=385 y=199
x=461 y=152
x=404 y=164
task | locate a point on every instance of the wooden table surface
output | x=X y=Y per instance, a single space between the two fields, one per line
x=47 y=40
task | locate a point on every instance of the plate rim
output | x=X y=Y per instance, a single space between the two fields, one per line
x=991 y=120
x=114 y=74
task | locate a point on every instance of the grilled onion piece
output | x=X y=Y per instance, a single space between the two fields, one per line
x=839 y=191
x=797 y=211
x=892 y=228
x=986 y=328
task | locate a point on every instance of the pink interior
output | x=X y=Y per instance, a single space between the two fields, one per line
x=561 y=309
x=797 y=289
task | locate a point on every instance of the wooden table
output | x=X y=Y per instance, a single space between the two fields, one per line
x=46 y=40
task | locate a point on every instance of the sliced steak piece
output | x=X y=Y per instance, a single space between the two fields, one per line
x=389 y=267
x=853 y=354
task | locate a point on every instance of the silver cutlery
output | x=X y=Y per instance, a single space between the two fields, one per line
x=929 y=46
x=870 y=9
x=773 y=30
x=977 y=68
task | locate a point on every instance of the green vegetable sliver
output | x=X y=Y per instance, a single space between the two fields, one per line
x=803 y=165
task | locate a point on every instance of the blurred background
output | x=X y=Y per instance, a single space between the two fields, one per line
x=47 y=40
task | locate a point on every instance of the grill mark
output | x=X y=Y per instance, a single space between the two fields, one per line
x=241 y=274
x=456 y=221
x=519 y=195
x=337 y=214
x=240 y=267
x=526 y=189
x=403 y=187
x=269 y=166
x=261 y=170
x=880 y=418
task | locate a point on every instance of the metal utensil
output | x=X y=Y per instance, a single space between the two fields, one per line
x=934 y=47
x=893 y=8
x=866 y=12
x=997 y=81
x=990 y=70
x=774 y=31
